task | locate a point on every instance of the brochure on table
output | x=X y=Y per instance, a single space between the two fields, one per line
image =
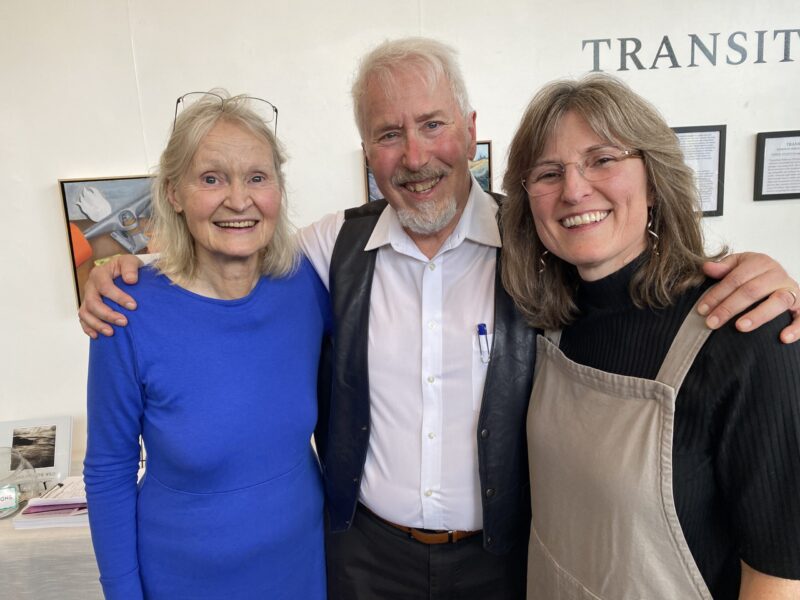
x=64 y=505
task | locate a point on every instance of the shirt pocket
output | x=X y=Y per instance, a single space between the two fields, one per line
x=480 y=366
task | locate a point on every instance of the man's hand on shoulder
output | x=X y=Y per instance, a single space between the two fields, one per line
x=94 y=315
x=746 y=279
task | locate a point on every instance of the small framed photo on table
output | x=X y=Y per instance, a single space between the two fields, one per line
x=777 y=166
x=704 y=151
x=45 y=443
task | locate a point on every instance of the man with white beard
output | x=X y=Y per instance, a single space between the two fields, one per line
x=422 y=440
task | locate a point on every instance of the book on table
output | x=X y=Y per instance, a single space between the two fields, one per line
x=64 y=505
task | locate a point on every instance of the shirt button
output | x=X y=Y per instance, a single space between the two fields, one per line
x=431 y=435
x=428 y=493
x=431 y=378
x=489 y=492
x=432 y=266
x=432 y=325
x=489 y=540
x=484 y=433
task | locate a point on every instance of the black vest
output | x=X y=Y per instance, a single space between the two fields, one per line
x=343 y=427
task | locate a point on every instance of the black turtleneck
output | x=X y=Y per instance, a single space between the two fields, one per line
x=736 y=446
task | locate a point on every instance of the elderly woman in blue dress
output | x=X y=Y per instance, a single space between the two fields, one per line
x=217 y=373
x=664 y=458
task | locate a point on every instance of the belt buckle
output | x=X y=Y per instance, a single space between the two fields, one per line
x=431 y=538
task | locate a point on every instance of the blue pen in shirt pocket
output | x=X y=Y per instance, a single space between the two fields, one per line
x=483 y=343
x=481 y=355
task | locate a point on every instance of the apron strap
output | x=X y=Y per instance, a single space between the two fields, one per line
x=554 y=335
x=687 y=343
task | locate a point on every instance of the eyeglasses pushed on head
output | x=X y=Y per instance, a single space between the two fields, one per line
x=267 y=111
x=598 y=165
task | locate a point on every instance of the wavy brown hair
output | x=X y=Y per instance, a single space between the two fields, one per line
x=544 y=286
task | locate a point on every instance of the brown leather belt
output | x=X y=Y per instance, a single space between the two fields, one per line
x=426 y=536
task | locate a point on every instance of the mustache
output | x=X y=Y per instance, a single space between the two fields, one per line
x=403 y=175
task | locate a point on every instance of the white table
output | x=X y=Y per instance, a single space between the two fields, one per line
x=47 y=564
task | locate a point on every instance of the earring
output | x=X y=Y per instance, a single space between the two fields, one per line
x=650 y=230
x=542 y=263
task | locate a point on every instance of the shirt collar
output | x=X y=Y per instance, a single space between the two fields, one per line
x=478 y=223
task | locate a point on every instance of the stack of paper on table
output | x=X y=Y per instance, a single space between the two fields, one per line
x=62 y=506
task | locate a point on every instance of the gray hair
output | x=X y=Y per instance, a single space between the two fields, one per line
x=170 y=232
x=428 y=57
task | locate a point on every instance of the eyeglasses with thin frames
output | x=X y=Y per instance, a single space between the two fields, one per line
x=265 y=109
x=598 y=165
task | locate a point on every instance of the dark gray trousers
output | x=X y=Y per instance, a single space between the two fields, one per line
x=375 y=561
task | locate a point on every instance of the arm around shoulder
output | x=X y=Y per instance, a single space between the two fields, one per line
x=317 y=241
x=748 y=278
x=94 y=314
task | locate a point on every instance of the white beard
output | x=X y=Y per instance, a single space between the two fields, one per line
x=428 y=217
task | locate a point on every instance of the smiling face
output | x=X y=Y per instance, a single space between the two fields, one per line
x=597 y=226
x=230 y=197
x=418 y=144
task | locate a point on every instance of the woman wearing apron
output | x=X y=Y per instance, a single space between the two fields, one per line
x=664 y=457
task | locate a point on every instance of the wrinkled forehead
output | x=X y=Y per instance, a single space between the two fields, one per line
x=229 y=142
x=405 y=98
x=415 y=78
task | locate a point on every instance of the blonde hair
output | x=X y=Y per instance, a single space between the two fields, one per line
x=428 y=57
x=171 y=235
x=542 y=285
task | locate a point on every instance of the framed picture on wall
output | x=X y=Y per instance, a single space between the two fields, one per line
x=104 y=218
x=45 y=443
x=777 y=166
x=373 y=193
x=481 y=164
x=704 y=151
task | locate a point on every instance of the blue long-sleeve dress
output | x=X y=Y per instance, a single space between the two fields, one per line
x=223 y=393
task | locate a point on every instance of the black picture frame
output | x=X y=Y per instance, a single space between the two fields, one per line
x=697 y=142
x=785 y=167
x=104 y=217
x=370 y=187
x=481 y=164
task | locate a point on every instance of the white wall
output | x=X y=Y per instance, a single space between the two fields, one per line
x=88 y=90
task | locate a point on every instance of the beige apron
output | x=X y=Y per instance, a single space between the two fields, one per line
x=600 y=452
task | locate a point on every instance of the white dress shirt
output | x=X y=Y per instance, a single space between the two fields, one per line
x=426 y=373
